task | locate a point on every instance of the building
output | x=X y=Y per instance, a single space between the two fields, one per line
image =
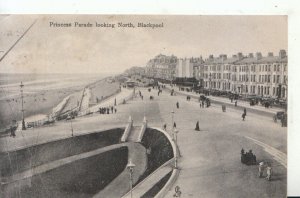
x=188 y=68
x=247 y=75
x=161 y=67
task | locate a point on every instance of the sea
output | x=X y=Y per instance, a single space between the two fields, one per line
x=33 y=83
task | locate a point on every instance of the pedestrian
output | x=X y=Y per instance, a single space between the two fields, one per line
x=197 y=126
x=115 y=110
x=12 y=132
x=165 y=127
x=245 y=111
x=177 y=105
x=243 y=155
x=203 y=104
x=200 y=105
x=269 y=172
x=235 y=103
x=243 y=116
x=112 y=109
x=261 y=167
x=174 y=125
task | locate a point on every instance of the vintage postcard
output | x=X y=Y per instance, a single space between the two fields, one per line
x=119 y=106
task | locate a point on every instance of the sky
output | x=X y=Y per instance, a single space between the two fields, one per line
x=45 y=49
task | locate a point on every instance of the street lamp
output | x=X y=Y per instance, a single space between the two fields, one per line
x=173 y=123
x=209 y=83
x=22 y=98
x=176 y=156
x=130 y=167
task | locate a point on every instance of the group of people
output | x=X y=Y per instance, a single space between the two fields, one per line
x=204 y=103
x=107 y=110
x=248 y=158
x=265 y=169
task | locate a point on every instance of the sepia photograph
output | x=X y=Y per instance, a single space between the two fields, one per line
x=141 y=106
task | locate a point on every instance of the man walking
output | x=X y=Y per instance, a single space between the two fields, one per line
x=165 y=127
x=177 y=105
x=243 y=116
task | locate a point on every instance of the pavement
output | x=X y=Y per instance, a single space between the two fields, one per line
x=210 y=158
x=224 y=100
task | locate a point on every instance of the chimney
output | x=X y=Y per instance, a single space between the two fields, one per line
x=234 y=56
x=250 y=55
x=282 y=54
x=240 y=55
x=211 y=57
x=258 y=55
x=223 y=57
x=270 y=54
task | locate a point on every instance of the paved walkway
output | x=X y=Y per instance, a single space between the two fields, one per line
x=124 y=94
x=134 y=134
x=119 y=186
x=210 y=158
x=149 y=182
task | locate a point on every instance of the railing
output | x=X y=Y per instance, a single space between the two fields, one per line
x=127 y=131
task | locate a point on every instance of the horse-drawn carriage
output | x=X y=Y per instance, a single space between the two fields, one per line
x=248 y=158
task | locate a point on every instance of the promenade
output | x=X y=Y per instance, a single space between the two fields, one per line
x=64 y=129
x=209 y=164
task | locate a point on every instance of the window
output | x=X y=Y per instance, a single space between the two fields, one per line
x=274 y=68
x=273 y=91
x=278 y=68
x=278 y=78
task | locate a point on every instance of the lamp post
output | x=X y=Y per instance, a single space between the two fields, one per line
x=172 y=112
x=22 y=101
x=130 y=167
x=176 y=156
x=209 y=83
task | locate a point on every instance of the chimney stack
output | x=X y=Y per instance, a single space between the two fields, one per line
x=223 y=57
x=270 y=54
x=234 y=56
x=240 y=55
x=250 y=55
x=258 y=55
x=211 y=57
x=282 y=54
